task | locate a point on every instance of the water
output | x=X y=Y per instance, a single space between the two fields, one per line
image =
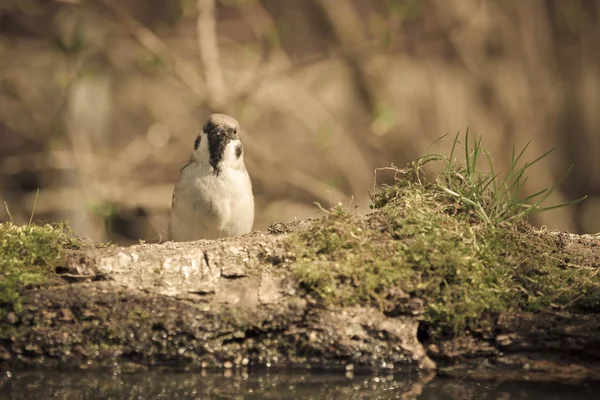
x=76 y=385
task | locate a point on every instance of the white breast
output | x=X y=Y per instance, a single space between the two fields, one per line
x=209 y=206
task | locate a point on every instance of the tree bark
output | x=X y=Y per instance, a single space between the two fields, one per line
x=234 y=303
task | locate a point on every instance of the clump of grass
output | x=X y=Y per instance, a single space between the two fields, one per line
x=28 y=256
x=494 y=197
x=466 y=260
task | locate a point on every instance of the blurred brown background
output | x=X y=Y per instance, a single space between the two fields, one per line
x=100 y=101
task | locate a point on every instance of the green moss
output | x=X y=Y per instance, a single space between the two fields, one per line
x=421 y=242
x=28 y=256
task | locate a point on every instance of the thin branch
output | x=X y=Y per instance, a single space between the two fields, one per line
x=184 y=70
x=209 y=54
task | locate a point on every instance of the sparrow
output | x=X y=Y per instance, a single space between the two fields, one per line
x=213 y=197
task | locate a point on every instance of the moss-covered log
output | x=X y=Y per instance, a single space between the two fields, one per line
x=238 y=302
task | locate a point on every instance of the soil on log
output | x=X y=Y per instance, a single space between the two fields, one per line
x=231 y=303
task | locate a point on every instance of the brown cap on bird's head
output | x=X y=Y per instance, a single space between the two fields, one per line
x=224 y=121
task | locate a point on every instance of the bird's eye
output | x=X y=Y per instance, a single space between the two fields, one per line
x=235 y=131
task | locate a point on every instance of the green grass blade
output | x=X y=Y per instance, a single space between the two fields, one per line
x=467 y=158
x=514 y=162
x=8 y=211
x=552 y=189
x=567 y=203
x=34 y=205
x=529 y=164
x=454 y=142
x=532 y=196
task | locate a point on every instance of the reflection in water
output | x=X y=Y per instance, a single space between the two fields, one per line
x=236 y=384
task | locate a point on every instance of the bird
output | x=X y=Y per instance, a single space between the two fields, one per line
x=213 y=197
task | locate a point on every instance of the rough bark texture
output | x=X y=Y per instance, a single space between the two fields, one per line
x=233 y=303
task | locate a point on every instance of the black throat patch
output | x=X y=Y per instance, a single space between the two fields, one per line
x=218 y=138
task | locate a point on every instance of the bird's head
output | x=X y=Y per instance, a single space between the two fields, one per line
x=219 y=143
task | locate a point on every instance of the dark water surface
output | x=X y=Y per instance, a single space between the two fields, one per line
x=235 y=384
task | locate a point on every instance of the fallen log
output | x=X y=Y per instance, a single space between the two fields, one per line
x=233 y=303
